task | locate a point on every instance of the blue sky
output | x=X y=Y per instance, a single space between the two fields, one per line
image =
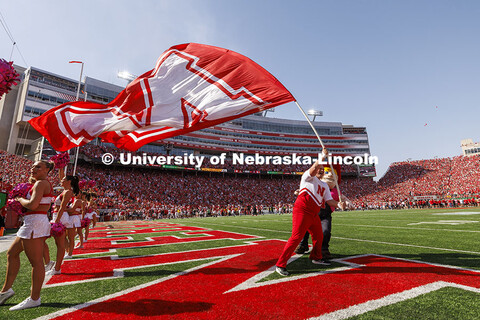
x=386 y=65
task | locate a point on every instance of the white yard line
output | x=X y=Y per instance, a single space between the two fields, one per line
x=369 y=226
x=407 y=245
x=407 y=228
x=353 y=239
x=335 y=216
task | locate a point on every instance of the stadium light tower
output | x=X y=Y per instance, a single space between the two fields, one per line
x=268 y=110
x=315 y=113
x=126 y=75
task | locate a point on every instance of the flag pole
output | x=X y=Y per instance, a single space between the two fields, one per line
x=78 y=96
x=323 y=146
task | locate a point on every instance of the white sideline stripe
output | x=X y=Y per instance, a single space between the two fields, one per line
x=127 y=291
x=407 y=228
x=362 y=240
x=407 y=245
x=389 y=300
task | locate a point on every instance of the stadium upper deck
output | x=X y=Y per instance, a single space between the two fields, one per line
x=257 y=134
x=41 y=90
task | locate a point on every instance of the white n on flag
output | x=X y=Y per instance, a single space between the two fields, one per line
x=192 y=86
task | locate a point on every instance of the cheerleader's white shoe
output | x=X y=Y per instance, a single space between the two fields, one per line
x=49 y=266
x=53 y=272
x=4 y=296
x=27 y=303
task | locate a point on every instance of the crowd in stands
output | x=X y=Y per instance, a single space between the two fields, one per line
x=13 y=169
x=445 y=178
x=185 y=194
x=128 y=192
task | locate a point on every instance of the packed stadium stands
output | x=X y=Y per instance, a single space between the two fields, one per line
x=444 y=178
x=157 y=192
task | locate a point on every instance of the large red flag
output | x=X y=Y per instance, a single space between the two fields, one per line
x=193 y=86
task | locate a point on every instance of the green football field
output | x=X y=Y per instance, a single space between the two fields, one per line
x=445 y=236
x=445 y=241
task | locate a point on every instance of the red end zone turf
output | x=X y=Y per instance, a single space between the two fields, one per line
x=228 y=287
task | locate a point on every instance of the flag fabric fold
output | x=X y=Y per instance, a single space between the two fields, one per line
x=192 y=86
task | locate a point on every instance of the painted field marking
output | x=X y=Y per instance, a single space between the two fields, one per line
x=173 y=228
x=374 y=226
x=366 y=218
x=448 y=222
x=107 y=267
x=406 y=228
x=359 y=287
x=458 y=213
x=160 y=240
x=362 y=240
x=408 y=245
x=121 y=293
x=390 y=299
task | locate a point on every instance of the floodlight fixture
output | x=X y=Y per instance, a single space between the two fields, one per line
x=315 y=113
x=268 y=110
x=126 y=75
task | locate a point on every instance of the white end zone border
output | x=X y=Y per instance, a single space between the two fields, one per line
x=252 y=283
x=397 y=297
x=391 y=299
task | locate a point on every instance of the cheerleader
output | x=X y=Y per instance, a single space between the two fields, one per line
x=31 y=237
x=71 y=188
x=88 y=214
x=93 y=206
x=83 y=216
x=76 y=214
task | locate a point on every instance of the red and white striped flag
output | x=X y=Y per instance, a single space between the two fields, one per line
x=193 y=86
